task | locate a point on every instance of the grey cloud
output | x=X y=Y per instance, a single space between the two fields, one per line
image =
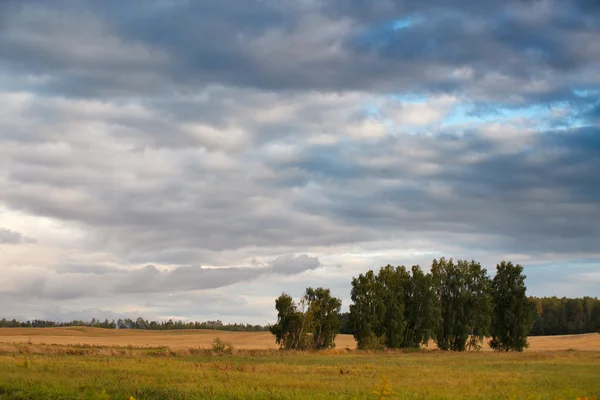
x=193 y=194
x=189 y=206
x=73 y=268
x=74 y=282
x=203 y=133
x=150 y=279
x=11 y=237
x=539 y=198
x=515 y=49
x=290 y=265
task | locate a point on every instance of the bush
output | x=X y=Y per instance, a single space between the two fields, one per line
x=221 y=347
x=372 y=342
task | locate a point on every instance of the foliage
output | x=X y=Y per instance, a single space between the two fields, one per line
x=345 y=323
x=395 y=307
x=367 y=310
x=552 y=316
x=289 y=331
x=512 y=316
x=563 y=316
x=454 y=305
x=370 y=341
x=421 y=309
x=221 y=347
x=463 y=292
x=312 y=324
x=324 y=311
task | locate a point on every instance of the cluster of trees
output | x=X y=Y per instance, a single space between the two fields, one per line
x=394 y=309
x=552 y=316
x=313 y=323
x=456 y=304
x=563 y=316
x=139 y=323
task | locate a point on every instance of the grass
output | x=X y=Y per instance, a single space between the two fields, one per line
x=34 y=371
x=90 y=363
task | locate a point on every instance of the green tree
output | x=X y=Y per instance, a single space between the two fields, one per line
x=367 y=311
x=288 y=330
x=463 y=292
x=513 y=312
x=395 y=308
x=479 y=304
x=421 y=309
x=312 y=323
x=324 y=310
x=345 y=325
x=393 y=283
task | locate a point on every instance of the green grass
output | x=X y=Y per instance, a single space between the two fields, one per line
x=151 y=374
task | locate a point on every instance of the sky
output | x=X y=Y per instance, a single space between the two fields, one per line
x=195 y=159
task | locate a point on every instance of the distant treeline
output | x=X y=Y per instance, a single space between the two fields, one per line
x=553 y=316
x=563 y=316
x=139 y=323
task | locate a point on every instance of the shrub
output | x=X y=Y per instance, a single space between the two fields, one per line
x=372 y=342
x=221 y=347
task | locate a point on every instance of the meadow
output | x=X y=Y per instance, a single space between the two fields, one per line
x=87 y=363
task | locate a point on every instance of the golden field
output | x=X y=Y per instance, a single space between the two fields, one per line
x=240 y=340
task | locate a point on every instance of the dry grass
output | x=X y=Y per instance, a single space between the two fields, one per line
x=240 y=340
x=584 y=342
x=89 y=372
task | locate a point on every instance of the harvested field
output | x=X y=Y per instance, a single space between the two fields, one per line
x=240 y=340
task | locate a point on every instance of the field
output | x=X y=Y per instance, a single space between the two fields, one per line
x=84 y=363
x=240 y=340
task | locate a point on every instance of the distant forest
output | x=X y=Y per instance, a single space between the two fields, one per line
x=553 y=316
x=139 y=323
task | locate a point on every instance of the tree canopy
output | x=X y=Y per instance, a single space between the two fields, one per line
x=513 y=313
x=313 y=323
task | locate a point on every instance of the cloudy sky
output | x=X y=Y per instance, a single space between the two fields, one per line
x=194 y=159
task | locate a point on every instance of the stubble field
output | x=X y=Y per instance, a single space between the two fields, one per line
x=240 y=340
x=84 y=363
